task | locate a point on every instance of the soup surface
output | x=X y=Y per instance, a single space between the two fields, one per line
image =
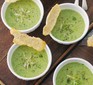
x=69 y=26
x=28 y=62
x=74 y=74
x=22 y=14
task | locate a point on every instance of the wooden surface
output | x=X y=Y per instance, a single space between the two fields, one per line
x=59 y=52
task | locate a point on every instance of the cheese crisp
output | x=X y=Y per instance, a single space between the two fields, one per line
x=11 y=1
x=51 y=19
x=1 y=83
x=24 y=39
x=90 y=41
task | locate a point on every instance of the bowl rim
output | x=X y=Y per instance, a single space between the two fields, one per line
x=85 y=30
x=41 y=7
x=70 y=60
x=14 y=47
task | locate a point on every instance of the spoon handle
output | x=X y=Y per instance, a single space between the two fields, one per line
x=84 y=4
x=76 y=2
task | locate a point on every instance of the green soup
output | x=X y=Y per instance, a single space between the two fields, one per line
x=74 y=74
x=69 y=26
x=28 y=62
x=22 y=14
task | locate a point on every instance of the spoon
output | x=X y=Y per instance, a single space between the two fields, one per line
x=84 y=4
x=76 y=2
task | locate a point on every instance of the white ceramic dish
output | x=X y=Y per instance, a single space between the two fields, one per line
x=70 y=60
x=40 y=5
x=82 y=13
x=9 y=56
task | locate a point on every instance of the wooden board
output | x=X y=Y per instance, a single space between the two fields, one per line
x=59 y=51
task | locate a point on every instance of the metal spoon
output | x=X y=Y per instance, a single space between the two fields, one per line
x=84 y=4
x=76 y=2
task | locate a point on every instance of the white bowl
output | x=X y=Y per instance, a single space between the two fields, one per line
x=82 y=13
x=9 y=56
x=38 y=2
x=70 y=60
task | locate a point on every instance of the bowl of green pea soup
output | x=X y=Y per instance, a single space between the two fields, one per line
x=71 y=25
x=22 y=15
x=73 y=71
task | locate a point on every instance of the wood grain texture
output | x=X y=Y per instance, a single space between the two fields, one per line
x=58 y=51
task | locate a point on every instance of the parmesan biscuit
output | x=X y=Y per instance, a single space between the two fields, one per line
x=51 y=19
x=24 y=39
x=90 y=41
x=1 y=83
x=11 y=1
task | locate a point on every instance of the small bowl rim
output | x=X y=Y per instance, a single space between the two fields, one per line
x=85 y=30
x=14 y=46
x=70 y=60
x=29 y=29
